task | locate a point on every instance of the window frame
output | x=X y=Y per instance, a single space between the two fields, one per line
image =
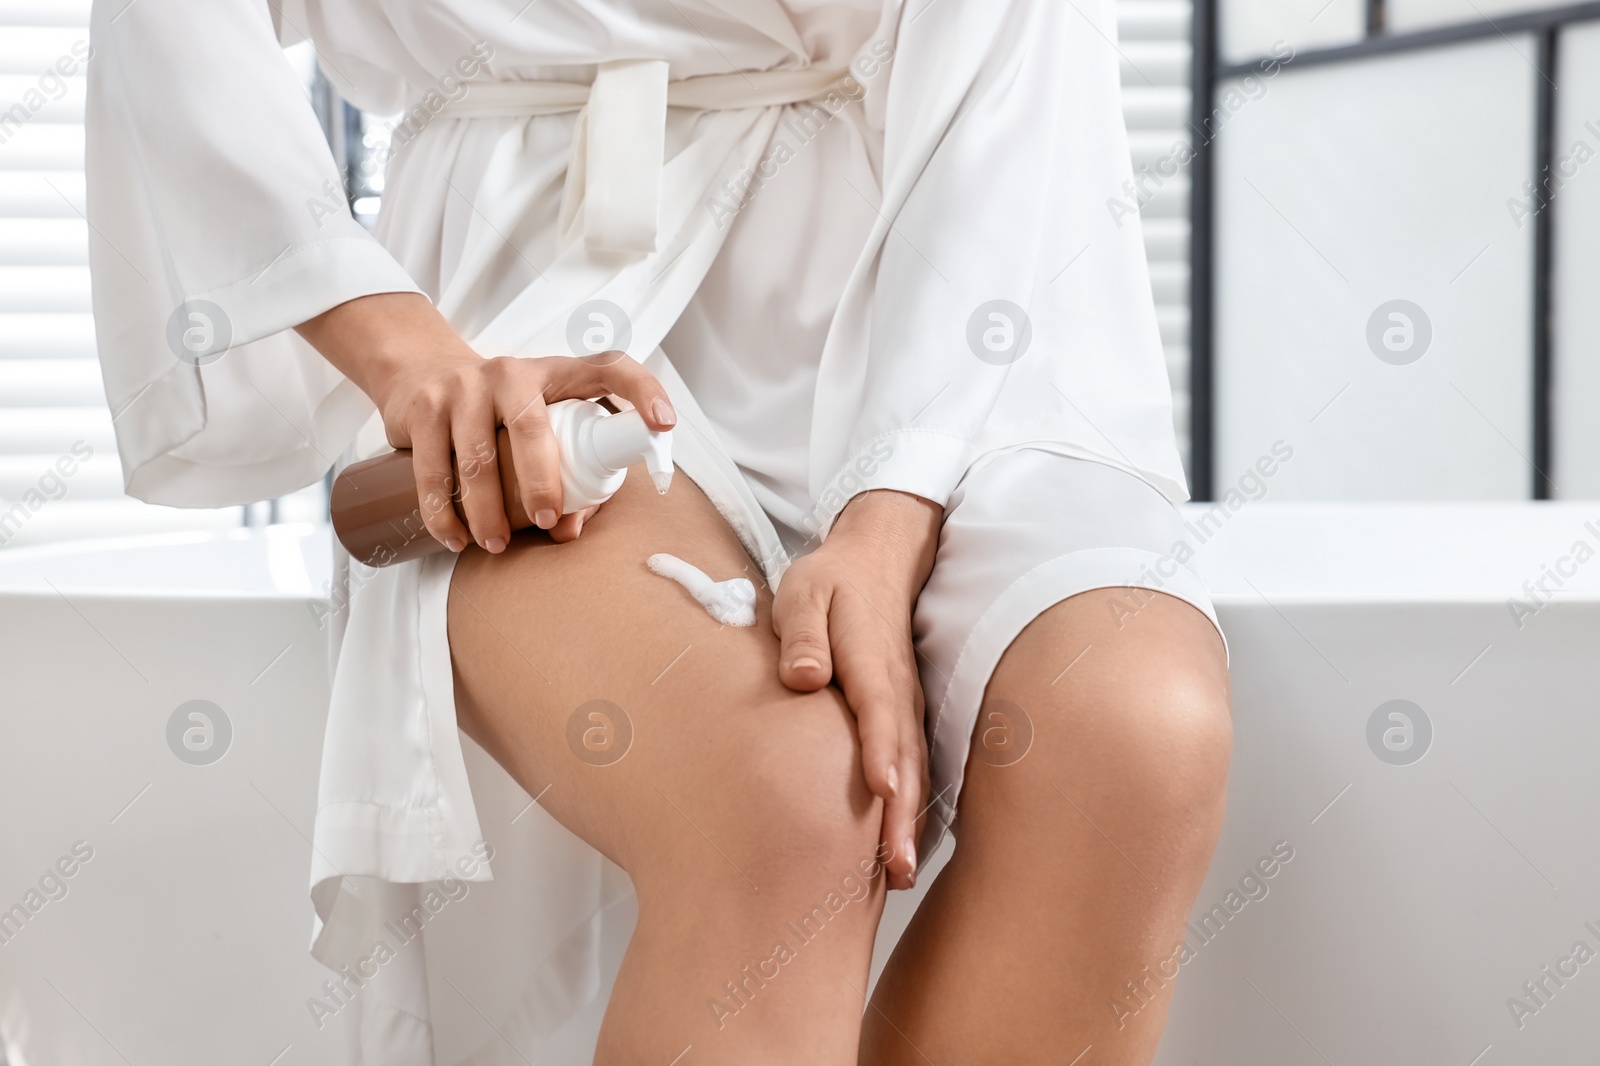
x=1208 y=71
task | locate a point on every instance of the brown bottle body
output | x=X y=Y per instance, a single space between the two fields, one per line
x=377 y=514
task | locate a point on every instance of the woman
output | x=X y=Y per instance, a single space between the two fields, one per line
x=855 y=255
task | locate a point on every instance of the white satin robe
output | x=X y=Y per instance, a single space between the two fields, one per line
x=827 y=318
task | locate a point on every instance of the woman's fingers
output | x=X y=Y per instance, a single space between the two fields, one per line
x=829 y=631
x=441 y=399
x=472 y=430
x=534 y=452
x=571 y=525
x=905 y=813
x=902 y=820
x=891 y=762
x=614 y=373
x=800 y=620
x=874 y=666
x=436 y=485
x=450 y=417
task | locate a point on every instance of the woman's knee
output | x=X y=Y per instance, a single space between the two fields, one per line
x=807 y=796
x=791 y=810
x=1138 y=731
x=1151 y=752
x=1165 y=739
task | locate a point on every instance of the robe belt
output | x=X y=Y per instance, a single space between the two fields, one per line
x=614 y=175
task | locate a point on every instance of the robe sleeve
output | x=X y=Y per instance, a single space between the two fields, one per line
x=1006 y=304
x=218 y=221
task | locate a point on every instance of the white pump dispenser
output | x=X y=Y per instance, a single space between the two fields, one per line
x=597 y=448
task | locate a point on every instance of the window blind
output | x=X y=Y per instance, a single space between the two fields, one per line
x=59 y=473
x=1154 y=41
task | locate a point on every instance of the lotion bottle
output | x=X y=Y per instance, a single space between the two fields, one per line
x=377 y=515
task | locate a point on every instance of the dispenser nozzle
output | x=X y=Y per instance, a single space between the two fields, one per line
x=622 y=439
x=658 y=460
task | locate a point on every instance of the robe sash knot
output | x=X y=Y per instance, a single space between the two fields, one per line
x=613 y=185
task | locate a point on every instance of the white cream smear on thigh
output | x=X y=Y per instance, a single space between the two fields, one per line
x=731 y=602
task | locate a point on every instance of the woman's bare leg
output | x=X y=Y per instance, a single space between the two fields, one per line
x=738 y=810
x=1076 y=867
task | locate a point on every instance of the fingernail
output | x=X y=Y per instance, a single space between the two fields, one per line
x=545 y=517
x=455 y=544
x=662 y=412
x=806 y=663
x=894 y=781
x=911 y=855
x=494 y=545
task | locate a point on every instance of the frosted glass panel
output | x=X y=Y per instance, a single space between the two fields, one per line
x=1249 y=28
x=1373 y=292
x=1576 y=310
x=1418 y=14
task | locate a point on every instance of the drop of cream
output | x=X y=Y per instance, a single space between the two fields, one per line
x=731 y=602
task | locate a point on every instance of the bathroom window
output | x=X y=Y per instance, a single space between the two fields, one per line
x=1395 y=237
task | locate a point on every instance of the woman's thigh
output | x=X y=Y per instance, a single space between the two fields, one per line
x=659 y=736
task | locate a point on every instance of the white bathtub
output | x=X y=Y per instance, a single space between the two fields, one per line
x=1420 y=896
x=183 y=938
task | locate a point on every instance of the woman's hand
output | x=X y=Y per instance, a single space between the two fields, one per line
x=438 y=396
x=843 y=613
